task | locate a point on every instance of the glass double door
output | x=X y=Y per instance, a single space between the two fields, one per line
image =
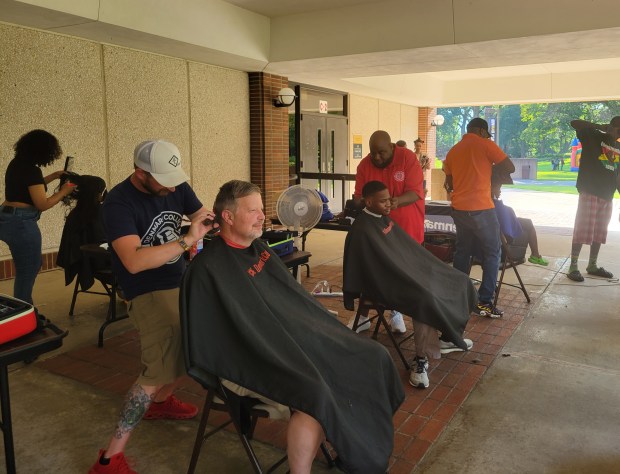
x=324 y=149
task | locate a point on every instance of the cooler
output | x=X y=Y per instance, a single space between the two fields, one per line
x=280 y=241
x=17 y=318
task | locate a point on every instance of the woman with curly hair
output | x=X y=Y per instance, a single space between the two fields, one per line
x=26 y=199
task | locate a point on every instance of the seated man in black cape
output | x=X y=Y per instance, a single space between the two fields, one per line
x=250 y=323
x=385 y=265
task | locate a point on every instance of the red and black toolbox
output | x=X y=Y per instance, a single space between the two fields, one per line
x=17 y=318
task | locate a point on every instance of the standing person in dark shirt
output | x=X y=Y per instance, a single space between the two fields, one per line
x=25 y=199
x=142 y=219
x=596 y=182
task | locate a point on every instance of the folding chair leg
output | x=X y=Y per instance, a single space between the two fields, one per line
x=248 y=447
x=111 y=316
x=358 y=315
x=76 y=290
x=328 y=456
x=200 y=435
x=527 y=296
x=391 y=336
x=499 y=282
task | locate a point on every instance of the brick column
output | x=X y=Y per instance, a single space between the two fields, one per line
x=268 y=138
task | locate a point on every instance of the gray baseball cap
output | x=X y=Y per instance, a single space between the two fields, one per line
x=163 y=160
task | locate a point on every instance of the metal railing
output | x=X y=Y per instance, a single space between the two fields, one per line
x=341 y=177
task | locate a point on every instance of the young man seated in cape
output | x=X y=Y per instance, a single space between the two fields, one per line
x=385 y=265
x=250 y=323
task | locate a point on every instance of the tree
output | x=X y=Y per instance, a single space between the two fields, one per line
x=454 y=127
x=510 y=127
x=527 y=130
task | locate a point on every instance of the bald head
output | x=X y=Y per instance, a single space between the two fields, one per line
x=381 y=149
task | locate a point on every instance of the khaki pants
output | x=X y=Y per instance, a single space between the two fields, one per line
x=156 y=317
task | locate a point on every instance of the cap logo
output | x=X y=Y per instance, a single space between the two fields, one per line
x=174 y=161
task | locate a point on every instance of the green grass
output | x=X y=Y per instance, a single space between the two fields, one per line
x=545 y=188
x=545 y=173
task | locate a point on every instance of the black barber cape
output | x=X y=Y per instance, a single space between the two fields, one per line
x=247 y=320
x=76 y=233
x=382 y=262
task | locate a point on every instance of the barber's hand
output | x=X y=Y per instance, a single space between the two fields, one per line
x=394 y=202
x=202 y=223
x=57 y=175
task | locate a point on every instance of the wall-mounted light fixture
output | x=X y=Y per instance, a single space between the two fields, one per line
x=438 y=121
x=286 y=97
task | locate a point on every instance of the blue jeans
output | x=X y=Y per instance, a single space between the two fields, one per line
x=477 y=232
x=20 y=231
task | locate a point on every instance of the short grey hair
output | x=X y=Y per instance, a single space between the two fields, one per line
x=228 y=194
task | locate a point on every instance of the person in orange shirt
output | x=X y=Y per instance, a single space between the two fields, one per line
x=468 y=166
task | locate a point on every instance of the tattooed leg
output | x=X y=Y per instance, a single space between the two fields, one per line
x=134 y=408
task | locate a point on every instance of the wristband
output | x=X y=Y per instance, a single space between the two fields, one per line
x=183 y=244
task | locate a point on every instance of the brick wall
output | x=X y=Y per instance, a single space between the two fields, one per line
x=7 y=267
x=268 y=138
x=428 y=133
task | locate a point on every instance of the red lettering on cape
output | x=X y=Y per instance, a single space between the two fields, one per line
x=258 y=266
x=388 y=229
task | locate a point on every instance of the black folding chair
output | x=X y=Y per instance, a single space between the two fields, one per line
x=509 y=261
x=243 y=414
x=364 y=307
x=97 y=261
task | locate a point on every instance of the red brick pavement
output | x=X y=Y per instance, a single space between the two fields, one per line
x=418 y=422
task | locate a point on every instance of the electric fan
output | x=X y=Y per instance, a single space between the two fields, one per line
x=299 y=209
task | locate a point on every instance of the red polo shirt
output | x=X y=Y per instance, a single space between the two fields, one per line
x=401 y=175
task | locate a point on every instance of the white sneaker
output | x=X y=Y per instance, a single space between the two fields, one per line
x=419 y=373
x=446 y=347
x=363 y=324
x=397 y=324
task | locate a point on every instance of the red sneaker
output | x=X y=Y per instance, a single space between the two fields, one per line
x=118 y=465
x=172 y=408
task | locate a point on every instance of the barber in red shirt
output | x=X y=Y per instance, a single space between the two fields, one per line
x=399 y=169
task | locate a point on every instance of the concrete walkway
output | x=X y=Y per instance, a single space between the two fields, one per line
x=551 y=404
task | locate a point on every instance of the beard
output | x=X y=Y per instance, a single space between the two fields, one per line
x=383 y=164
x=162 y=192
x=256 y=233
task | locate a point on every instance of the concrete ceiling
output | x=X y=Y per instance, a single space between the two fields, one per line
x=279 y=8
x=402 y=75
x=416 y=52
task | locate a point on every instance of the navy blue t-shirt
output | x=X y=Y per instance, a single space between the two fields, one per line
x=156 y=220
